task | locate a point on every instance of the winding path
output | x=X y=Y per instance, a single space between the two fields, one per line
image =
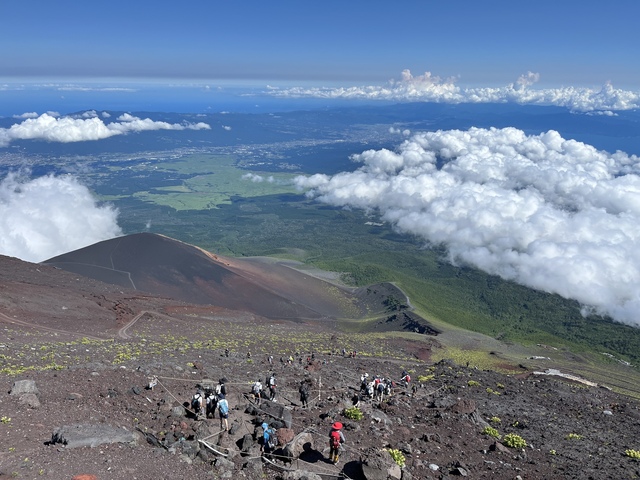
x=122 y=333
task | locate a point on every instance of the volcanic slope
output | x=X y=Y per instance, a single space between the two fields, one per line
x=162 y=266
x=39 y=298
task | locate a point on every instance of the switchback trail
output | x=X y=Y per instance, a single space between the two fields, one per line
x=122 y=333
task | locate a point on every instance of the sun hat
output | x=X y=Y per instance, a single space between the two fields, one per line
x=336 y=425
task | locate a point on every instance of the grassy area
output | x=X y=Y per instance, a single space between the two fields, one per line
x=202 y=182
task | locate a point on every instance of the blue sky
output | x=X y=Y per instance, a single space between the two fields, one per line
x=330 y=42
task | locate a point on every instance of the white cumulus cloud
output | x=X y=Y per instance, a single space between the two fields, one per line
x=430 y=88
x=553 y=214
x=27 y=115
x=255 y=178
x=47 y=216
x=89 y=127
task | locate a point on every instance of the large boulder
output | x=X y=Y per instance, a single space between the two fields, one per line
x=464 y=405
x=178 y=411
x=301 y=443
x=278 y=412
x=382 y=418
x=246 y=443
x=21 y=387
x=30 y=400
x=285 y=435
x=90 y=435
x=378 y=465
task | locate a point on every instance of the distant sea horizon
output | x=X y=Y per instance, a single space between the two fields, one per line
x=62 y=99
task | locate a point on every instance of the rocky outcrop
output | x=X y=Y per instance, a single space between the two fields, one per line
x=303 y=442
x=285 y=435
x=378 y=465
x=21 y=387
x=87 y=435
x=278 y=412
x=27 y=391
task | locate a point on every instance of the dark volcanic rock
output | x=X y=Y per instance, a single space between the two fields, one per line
x=278 y=412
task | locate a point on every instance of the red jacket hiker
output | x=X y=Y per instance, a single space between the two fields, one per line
x=336 y=438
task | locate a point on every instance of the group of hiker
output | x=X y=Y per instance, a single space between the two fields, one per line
x=379 y=387
x=209 y=400
x=336 y=439
x=257 y=390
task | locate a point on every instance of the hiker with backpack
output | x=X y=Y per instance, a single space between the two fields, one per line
x=406 y=378
x=221 y=388
x=211 y=402
x=388 y=387
x=272 y=387
x=223 y=409
x=256 y=391
x=364 y=379
x=269 y=439
x=197 y=402
x=371 y=386
x=336 y=439
x=380 y=390
x=305 y=392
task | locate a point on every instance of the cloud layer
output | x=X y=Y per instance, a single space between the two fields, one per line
x=88 y=127
x=48 y=216
x=553 y=214
x=430 y=88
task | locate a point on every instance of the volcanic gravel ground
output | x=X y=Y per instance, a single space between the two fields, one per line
x=571 y=430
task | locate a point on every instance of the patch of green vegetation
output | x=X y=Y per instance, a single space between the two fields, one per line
x=201 y=182
x=492 y=432
x=397 y=456
x=476 y=358
x=353 y=413
x=513 y=440
x=632 y=454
